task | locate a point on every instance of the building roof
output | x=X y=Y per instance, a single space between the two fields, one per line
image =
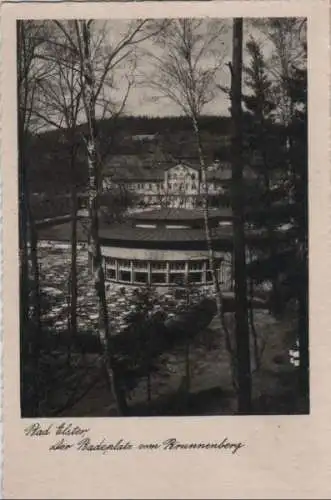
x=62 y=231
x=180 y=214
x=118 y=234
x=124 y=234
x=130 y=168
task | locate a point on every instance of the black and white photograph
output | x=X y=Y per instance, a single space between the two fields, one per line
x=163 y=216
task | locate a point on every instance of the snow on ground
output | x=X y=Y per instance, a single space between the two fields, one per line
x=54 y=274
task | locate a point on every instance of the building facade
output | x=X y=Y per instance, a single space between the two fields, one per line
x=165 y=248
x=178 y=185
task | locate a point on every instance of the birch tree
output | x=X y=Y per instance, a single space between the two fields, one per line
x=186 y=72
x=60 y=106
x=99 y=61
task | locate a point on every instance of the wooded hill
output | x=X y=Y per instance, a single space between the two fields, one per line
x=161 y=137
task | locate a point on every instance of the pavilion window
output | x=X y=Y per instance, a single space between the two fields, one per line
x=110 y=274
x=177 y=266
x=177 y=279
x=140 y=277
x=158 y=266
x=158 y=278
x=195 y=277
x=139 y=264
x=124 y=264
x=125 y=276
x=195 y=266
x=110 y=263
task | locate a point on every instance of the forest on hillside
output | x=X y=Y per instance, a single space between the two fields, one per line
x=173 y=138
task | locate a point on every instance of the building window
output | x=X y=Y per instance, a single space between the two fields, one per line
x=139 y=264
x=177 y=279
x=195 y=277
x=177 y=266
x=158 y=265
x=158 y=278
x=110 y=262
x=125 y=276
x=124 y=264
x=140 y=277
x=110 y=274
x=195 y=266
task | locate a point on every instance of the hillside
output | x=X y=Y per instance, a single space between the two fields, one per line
x=160 y=139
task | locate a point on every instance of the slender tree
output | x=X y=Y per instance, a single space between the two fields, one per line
x=98 y=63
x=88 y=86
x=31 y=37
x=182 y=75
x=60 y=106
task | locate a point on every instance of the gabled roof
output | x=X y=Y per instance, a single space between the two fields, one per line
x=134 y=168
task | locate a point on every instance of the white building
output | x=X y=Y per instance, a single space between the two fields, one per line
x=176 y=185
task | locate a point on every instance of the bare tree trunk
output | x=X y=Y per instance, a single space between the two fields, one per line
x=34 y=314
x=211 y=255
x=73 y=270
x=94 y=191
x=23 y=236
x=31 y=327
x=36 y=309
x=242 y=329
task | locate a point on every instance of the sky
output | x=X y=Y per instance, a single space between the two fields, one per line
x=141 y=100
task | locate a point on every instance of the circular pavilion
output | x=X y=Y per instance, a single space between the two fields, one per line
x=167 y=247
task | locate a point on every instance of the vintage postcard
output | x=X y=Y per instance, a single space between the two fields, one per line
x=166 y=263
